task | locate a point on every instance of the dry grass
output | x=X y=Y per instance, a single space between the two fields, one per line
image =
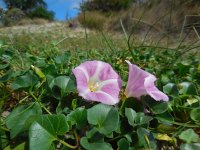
x=92 y=20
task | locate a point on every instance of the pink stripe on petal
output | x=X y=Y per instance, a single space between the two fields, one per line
x=90 y=67
x=107 y=72
x=135 y=86
x=82 y=82
x=141 y=82
x=92 y=78
x=112 y=89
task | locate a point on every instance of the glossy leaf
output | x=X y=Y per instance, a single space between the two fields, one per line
x=156 y=107
x=195 y=146
x=43 y=132
x=16 y=121
x=189 y=136
x=96 y=145
x=141 y=119
x=104 y=117
x=123 y=144
x=78 y=117
x=131 y=115
x=187 y=88
x=61 y=85
x=40 y=138
x=26 y=81
x=54 y=124
x=195 y=115
x=171 y=89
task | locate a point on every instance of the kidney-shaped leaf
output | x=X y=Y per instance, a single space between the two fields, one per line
x=187 y=88
x=25 y=81
x=141 y=119
x=189 y=136
x=123 y=144
x=40 y=138
x=131 y=115
x=78 y=117
x=43 y=132
x=61 y=85
x=105 y=117
x=54 y=124
x=171 y=89
x=195 y=146
x=16 y=121
x=95 y=146
x=195 y=115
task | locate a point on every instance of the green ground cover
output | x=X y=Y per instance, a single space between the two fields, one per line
x=41 y=108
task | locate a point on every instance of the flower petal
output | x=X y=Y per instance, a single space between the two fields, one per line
x=153 y=91
x=141 y=82
x=135 y=86
x=107 y=72
x=106 y=83
x=102 y=97
x=82 y=76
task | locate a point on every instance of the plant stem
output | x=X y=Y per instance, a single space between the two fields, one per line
x=66 y=144
x=5 y=129
x=23 y=99
x=37 y=100
x=69 y=145
x=147 y=142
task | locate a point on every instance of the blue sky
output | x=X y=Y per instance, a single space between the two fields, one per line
x=63 y=8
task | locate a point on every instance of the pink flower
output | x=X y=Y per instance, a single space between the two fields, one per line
x=97 y=81
x=141 y=82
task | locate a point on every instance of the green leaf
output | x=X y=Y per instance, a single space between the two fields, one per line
x=4 y=139
x=195 y=146
x=78 y=117
x=54 y=124
x=61 y=59
x=62 y=85
x=40 y=138
x=43 y=132
x=156 y=107
x=95 y=146
x=187 y=88
x=145 y=138
x=105 y=117
x=171 y=89
x=165 y=128
x=94 y=135
x=18 y=147
x=195 y=115
x=26 y=81
x=189 y=136
x=131 y=103
x=16 y=121
x=142 y=119
x=131 y=115
x=123 y=144
x=10 y=74
x=165 y=117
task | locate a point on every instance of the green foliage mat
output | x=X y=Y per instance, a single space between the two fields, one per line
x=41 y=108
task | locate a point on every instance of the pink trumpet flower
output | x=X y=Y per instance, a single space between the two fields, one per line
x=141 y=82
x=97 y=81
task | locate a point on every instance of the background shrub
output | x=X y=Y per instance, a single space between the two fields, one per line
x=41 y=12
x=12 y=16
x=92 y=20
x=106 y=5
